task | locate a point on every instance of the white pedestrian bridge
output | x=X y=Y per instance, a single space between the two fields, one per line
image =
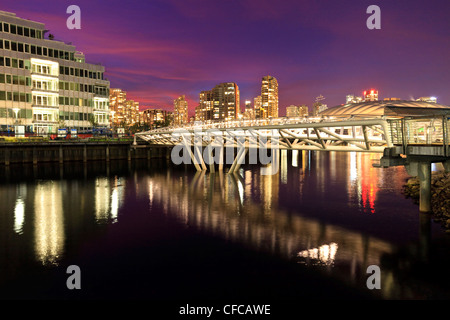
x=359 y=127
x=409 y=133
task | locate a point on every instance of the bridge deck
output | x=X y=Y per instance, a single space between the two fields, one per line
x=415 y=136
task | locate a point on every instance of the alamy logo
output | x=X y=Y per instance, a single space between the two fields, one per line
x=374 y=280
x=374 y=21
x=73 y=281
x=221 y=147
x=74 y=21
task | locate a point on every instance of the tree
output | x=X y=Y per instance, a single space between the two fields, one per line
x=92 y=120
x=61 y=123
x=159 y=124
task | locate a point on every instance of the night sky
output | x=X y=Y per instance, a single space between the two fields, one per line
x=158 y=50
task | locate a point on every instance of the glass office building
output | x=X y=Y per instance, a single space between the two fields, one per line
x=46 y=84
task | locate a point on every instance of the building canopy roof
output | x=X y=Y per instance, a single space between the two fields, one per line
x=395 y=108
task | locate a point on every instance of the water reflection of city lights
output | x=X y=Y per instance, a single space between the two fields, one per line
x=363 y=181
x=19 y=216
x=19 y=208
x=109 y=196
x=353 y=167
x=241 y=190
x=369 y=186
x=49 y=230
x=324 y=254
x=117 y=196
x=114 y=204
x=283 y=167
x=295 y=158
x=213 y=203
x=102 y=192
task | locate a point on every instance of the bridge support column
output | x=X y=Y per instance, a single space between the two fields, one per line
x=35 y=157
x=191 y=155
x=84 y=153
x=210 y=158
x=197 y=166
x=446 y=165
x=238 y=160
x=424 y=169
x=221 y=158
x=61 y=155
x=7 y=156
x=198 y=152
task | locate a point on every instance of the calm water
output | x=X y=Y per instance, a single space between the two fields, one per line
x=153 y=231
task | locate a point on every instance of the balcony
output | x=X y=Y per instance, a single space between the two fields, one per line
x=44 y=121
x=52 y=90
x=35 y=71
x=53 y=107
x=44 y=67
x=100 y=110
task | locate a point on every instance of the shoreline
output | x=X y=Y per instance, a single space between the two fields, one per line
x=440 y=196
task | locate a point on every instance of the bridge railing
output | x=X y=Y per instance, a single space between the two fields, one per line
x=248 y=123
x=310 y=134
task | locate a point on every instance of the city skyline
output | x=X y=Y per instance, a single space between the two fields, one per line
x=312 y=49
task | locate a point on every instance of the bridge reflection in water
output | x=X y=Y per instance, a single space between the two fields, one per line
x=224 y=205
x=245 y=208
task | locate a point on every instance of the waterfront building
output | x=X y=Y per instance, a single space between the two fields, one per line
x=180 y=111
x=292 y=111
x=269 y=97
x=124 y=112
x=117 y=99
x=204 y=111
x=297 y=111
x=131 y=112
x=226 y=101
x=259 y=113
x=46 y=84
x=371 y=95
x=247 y=104
x=350 y=98
x=199 y=114
x=249 y=111
x=427 y=99
x=318 y=108
x=219 y=103
x=304 y=111
x=382 y=108
x=155 y=118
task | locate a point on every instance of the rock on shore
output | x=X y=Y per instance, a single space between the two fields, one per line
x=440 y=196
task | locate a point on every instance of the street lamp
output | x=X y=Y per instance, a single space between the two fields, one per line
x=16 y=111
x=112 y=117
x=7 y=120
x=112 y=120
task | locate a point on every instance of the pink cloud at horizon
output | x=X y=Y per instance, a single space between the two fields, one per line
x=159 y=50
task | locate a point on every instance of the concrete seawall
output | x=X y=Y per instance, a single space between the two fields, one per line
x=61 y=152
